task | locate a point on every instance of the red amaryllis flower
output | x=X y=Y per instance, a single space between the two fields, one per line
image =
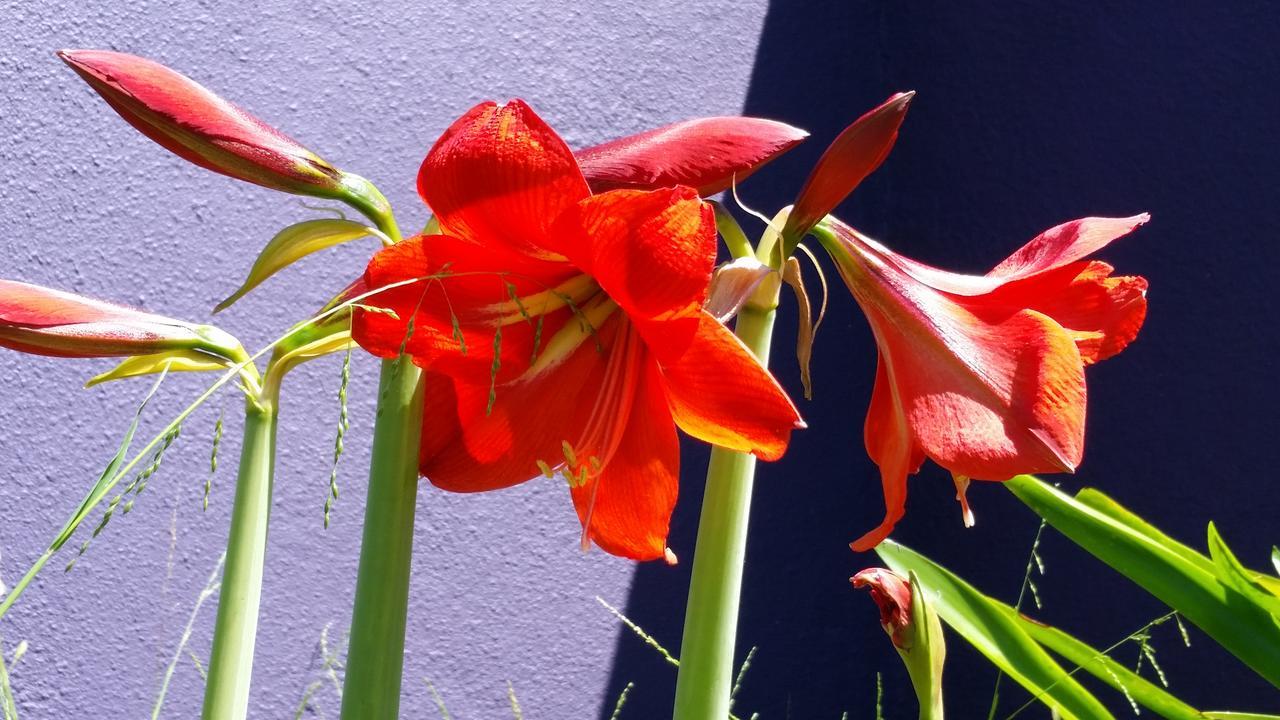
x=201 y=127
x=985 y=374
x=709 y=154
x=563 y=332
x=44 y=321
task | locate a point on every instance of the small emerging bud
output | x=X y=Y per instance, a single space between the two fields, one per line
x=916 y=632
x=199 y=126
x=892 y=595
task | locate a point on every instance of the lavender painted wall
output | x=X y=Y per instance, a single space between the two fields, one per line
x=500 y=590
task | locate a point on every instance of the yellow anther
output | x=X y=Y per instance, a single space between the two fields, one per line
x=547 y=472
x=595 y=464
x=582 y=476
x=569 y=456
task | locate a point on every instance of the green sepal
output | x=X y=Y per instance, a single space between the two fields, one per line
x=296 y=242
x=169 y=361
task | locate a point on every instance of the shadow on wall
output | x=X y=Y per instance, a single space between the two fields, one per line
x=1027 y=115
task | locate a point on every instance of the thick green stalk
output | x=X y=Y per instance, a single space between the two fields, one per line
x=226 y=695
x=711 y=617
x=375 y=651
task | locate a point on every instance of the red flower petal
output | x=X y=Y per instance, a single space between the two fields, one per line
x=466 y=448
x=719 y=393
x=500 y=176
x=891 y=447
x=44 y=321
x=626 y=510
x=1064 y=244
x=705 y=153
x=464 y=306
x=1008 y=397
x=1102 y=313
x=1052 y=249
x=199 y=126
x=854 y=155
x=652 y=252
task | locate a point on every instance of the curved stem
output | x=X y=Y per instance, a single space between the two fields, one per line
x=375 y=653
x=705 y=679
x=231 y=660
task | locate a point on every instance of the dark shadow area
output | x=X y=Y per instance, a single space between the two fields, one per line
x=1028 y=114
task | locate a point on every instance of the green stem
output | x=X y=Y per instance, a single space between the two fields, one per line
x=375 y=653
x=226 y=695
x=711 y=617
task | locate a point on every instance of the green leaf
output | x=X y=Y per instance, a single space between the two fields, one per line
x=1240 y=716
x=294 y=243
x=171 y=361
x=989 y=628
x=1243 y=627
x=1134 y=686
x=1239 y=578
x=1104 y=504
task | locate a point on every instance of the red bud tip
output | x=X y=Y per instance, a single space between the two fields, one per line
x=854 y=155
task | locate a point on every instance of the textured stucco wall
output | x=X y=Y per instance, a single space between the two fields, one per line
x=500 y=590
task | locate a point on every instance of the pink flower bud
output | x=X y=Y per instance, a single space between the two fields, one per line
x=43 y=321
x=892 y=594
x=201 y=127
x=704 y=153
x=856 y=153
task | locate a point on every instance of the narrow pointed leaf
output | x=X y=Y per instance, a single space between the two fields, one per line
x=294 y=243
x=1239 y=716
x=173 y=361
x=107 y=480
x=1236 y=576
x=990 y=629
x=1236 y=622
x=1103 y=503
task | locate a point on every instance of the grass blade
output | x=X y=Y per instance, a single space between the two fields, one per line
x=107 y=480
x=1137 y=688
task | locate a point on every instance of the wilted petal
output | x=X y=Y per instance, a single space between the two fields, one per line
x=732 y=285
x=705 y=153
